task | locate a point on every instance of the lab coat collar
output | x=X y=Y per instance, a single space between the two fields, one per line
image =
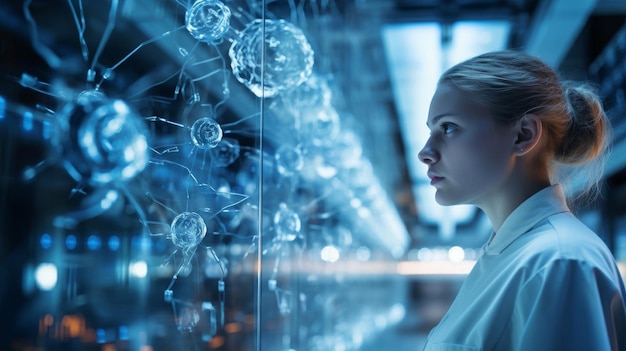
x=544 y=203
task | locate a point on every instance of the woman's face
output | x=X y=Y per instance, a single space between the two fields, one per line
x=469 y=155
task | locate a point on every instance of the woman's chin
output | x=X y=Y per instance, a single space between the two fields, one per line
x=445 y=201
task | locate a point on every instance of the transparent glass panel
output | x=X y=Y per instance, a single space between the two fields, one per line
x=131 y=160
x=331 y=232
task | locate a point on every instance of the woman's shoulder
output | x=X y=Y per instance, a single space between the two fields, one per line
x=563 y=237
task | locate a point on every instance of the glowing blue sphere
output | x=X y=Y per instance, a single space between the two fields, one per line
x=206 y=133
x=284 y=50
x=104 y=140
x=187 y=230
x=208 y=20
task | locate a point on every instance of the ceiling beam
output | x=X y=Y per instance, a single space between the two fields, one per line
x=610 y=7
x=556 y=25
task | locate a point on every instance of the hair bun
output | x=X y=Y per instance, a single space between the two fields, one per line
x=586 y=136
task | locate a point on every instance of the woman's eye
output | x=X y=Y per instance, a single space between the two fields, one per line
x=448 y=128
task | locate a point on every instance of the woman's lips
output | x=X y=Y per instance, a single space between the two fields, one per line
x=434 y=178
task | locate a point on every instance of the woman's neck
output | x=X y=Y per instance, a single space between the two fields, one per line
x=500 y=205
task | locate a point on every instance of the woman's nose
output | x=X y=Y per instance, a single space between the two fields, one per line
x=428 y=155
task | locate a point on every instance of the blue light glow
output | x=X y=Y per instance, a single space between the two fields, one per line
x=140 y=243
x=46 y=130
x=27 y=121
x=114 y=243
x=100 y=336
x=3 y=106
x=70 y=242
x=123 y=332
x=45 y=241
x=94 y=242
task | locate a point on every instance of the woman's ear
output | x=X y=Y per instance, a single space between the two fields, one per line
x=529 y=129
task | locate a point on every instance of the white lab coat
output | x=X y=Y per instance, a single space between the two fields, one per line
x=544 y=282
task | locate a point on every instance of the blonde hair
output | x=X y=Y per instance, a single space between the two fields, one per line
x=577 y=132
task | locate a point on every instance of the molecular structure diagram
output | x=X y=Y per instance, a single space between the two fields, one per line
x=107 y=144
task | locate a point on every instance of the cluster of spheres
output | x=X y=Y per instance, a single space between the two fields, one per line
x=275 y=49
x=104 y=143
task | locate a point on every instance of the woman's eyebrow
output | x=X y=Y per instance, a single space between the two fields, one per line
x=435 y=119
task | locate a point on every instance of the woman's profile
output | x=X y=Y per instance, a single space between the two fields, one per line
x=503 y=127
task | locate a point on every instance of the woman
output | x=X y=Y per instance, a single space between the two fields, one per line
x=502 y=124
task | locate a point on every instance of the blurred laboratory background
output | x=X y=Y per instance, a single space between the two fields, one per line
x=243 y=174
